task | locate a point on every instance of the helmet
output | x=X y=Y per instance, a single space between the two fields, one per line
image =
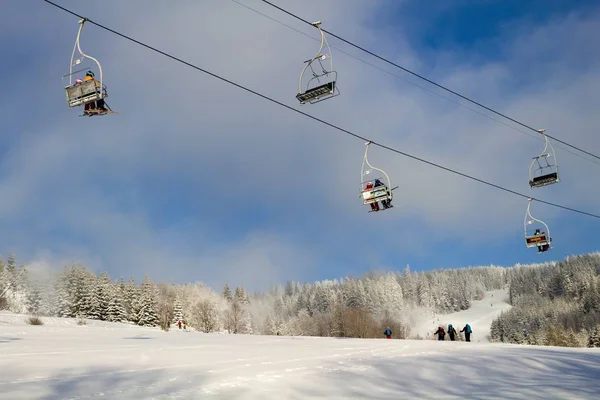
x=89 y=73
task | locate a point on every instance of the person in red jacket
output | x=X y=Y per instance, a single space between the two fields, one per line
x=440 y=332
x=374 y=205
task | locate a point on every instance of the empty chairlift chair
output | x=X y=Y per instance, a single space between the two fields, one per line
x=322 y=84
x=543 y=170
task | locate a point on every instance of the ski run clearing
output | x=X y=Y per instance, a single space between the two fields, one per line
x=62 y=360
x=480 y=316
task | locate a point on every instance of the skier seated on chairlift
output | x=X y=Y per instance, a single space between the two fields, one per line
x=545 y=247
x=93 y=105
x=374 y=205
x=386 y=203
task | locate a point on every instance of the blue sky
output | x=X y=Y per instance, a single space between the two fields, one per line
x=195 y=180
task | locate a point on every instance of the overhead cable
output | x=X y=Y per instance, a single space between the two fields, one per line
x=429 y=80
x=319 y=119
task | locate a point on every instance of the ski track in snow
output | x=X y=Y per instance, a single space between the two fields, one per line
x=61 y=360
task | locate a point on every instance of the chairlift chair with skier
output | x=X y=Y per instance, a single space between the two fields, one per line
x=89 y=91
x=323 y=84
x=375 y=189
x=534 y=235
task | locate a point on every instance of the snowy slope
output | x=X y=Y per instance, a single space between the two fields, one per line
x=112 y=361
x=480 y=316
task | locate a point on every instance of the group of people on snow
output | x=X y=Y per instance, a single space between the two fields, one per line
x=441 y=334
x=179 y=323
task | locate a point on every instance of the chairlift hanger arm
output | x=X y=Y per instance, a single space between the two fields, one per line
x=363 y=172
x=309 y=61
x=77 y=47
x=321 y=91
x=529 y=217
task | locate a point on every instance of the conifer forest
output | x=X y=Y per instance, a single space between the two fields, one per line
x=555 y=303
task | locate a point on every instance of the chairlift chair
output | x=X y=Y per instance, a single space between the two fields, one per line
x=89 y=91
x=543 y=170
x=377 y=189
x=322 y=85
x=541 y=240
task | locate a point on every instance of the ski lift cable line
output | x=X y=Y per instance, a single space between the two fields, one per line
x=458 y=103
x=429 y=80
x=321 y=120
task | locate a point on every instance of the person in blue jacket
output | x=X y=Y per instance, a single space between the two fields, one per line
x=388 y=333
x=451 y=332
x=467 y=330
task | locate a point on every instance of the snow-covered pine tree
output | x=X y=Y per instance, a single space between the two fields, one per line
x=423 y=293
x=104 y=294
x=14 y=288
x=353 y=293
x=79 y=292
x=323 y=297
x=177 y=308
x=11 y=269
x=3 y=285
x=62 y=300
x=227 y=293
x=95 y=307
x=147 y=314
x=116 y=308
x=240 y=296
x=132 y=297
x=594 y=339
x=394 y=297
x=34 y=299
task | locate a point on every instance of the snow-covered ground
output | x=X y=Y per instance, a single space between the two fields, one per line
x=113 y=361
x=480 y=316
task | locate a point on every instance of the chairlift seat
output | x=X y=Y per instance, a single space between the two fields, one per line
x=544 y=180
x=84 y=92
x=317 y=93
x=537 y=240
x=375 y=194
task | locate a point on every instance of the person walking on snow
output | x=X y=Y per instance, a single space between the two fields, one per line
x=440 y=332
x=179 y=324
x=388 y=333
x=467 y=330
x=451 y=332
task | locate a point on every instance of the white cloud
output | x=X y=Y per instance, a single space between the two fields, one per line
x=83 y=187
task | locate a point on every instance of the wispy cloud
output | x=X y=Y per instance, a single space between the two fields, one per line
x=198 y=180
